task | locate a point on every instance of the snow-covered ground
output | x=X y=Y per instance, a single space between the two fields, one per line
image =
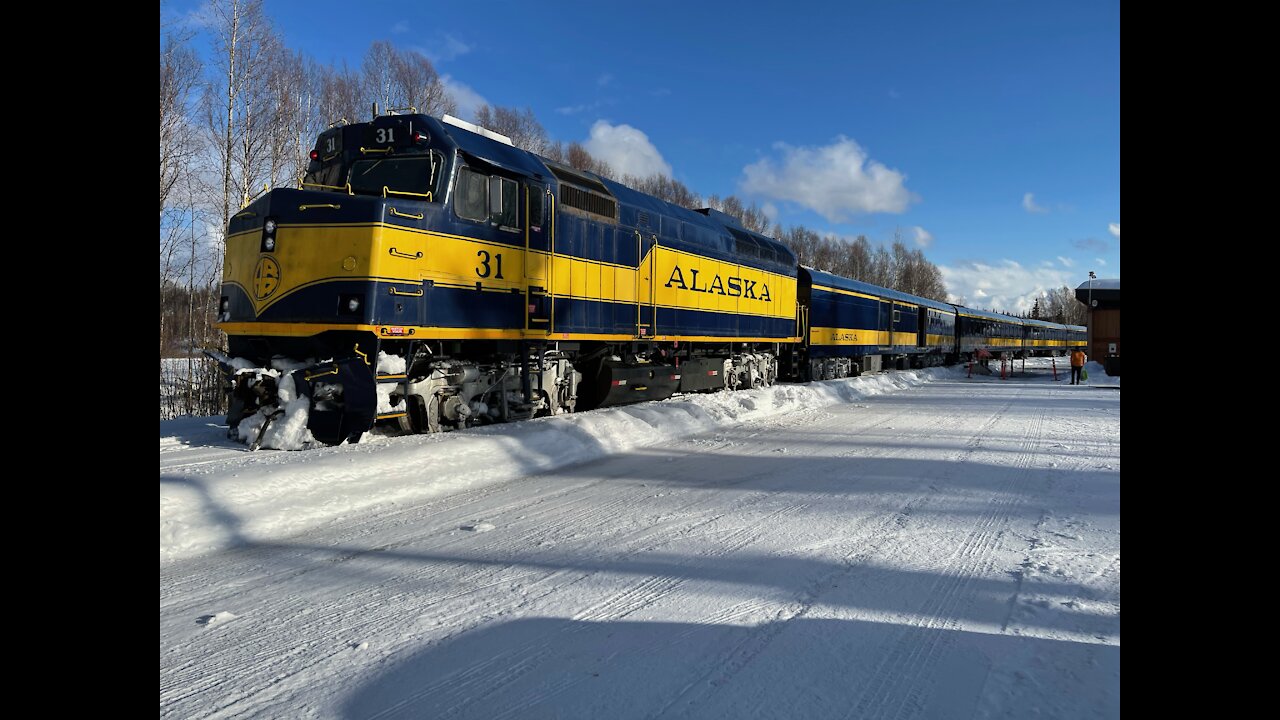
x=916 y=544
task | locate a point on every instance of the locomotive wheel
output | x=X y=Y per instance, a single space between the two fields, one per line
x=432 y=415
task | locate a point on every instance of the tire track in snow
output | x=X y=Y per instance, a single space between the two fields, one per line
x=866 y=540
x=472 y=683
x=912 y=650
x=741 y=654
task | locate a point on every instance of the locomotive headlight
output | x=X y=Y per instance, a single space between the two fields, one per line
x=268 y=234
x=350 y=304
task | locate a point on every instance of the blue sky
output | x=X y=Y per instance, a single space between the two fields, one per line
x=986 y=132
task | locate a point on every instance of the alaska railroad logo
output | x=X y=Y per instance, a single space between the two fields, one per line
x=266 y=277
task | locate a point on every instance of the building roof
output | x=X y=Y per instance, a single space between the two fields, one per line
x=1102 y=293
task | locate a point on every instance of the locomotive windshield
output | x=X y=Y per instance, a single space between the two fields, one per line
x=413 y=176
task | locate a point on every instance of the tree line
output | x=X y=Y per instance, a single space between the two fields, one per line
x=1059 y=306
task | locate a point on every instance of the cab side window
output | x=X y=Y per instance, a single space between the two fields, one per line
x=488 y=198
x=473 y=191
x=503 y=203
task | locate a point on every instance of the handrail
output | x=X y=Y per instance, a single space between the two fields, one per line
x=266 y=187
x=410 y=216
x=386 y=190
x=551 y=266
x=313 y=376
x=346 y=187
x=366 y=151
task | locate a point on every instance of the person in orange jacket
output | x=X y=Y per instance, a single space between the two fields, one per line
x=1077 y=365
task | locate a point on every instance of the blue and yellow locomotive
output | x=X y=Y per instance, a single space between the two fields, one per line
x=429 y=274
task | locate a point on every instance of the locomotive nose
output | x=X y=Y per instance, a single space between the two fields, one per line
x=300 y=256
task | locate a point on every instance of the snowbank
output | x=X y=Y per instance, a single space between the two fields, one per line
x=1098 y=375
x=266 y=497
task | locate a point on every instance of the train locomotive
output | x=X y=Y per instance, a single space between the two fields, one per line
x=428 y=275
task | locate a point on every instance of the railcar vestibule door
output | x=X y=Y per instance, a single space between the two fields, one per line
x=886 y=324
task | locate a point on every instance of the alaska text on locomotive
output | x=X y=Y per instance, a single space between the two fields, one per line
x=737 y=287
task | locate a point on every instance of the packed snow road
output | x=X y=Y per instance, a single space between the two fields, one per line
x=947 y=550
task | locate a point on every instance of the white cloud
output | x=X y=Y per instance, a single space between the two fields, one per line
x=1066 y=261
x=836 y=181
x=445 y=48
x=202 y=17
x=626 y=149
x=770 y=211
x=1115 y=229
x=1091 y=245
x=468 y=100
x=604 y=80
x=1100 y=261
x=1004 y=285
x=400 y=27
x=923 y=238
x=584 y=107
x=1029 y=204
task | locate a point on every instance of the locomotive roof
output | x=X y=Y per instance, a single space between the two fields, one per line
x=493 y=152
x=843 y=283
x=718 y=223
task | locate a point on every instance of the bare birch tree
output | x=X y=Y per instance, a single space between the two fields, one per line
x=179 y=77
x=417 y=85
x=291 y=99
x=242 y=36
x=522 y=127
x=339 y=94
x=378 y=76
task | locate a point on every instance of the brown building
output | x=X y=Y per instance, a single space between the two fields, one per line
x=1103 y=299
